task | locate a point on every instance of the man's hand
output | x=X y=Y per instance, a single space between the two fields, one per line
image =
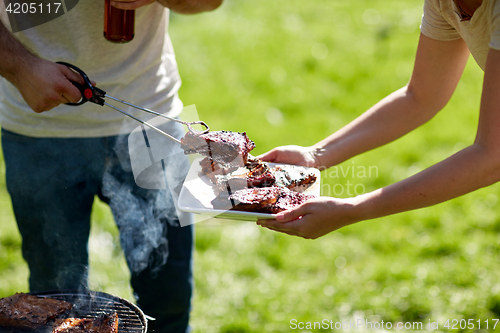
x=45 y=84
x=314 y=218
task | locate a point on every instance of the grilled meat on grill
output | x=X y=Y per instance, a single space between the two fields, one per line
x=270 y=200
x=25 y=311
x=223 y=147
x=103 y=324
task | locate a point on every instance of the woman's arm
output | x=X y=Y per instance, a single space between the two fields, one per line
x=472 y=168
x=438 y=68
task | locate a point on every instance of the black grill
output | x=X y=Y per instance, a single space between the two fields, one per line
x=95 y=304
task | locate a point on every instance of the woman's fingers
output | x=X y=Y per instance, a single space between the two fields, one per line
x=270 y=156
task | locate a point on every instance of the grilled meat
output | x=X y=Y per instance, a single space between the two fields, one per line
x=240 y=181
x=103 y=324
x=248 y=199
x=288 y=200
x=255 y=166
x=212 y=169
x=208 y=166
x=225 y=147
x=293 y=177
x=244 y=182
x=262 y=200
x=25 y=311
x=254 y=174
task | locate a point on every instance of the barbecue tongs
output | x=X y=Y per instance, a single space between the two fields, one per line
x=95 y=95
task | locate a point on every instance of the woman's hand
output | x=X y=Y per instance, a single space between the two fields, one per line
x=314 y=218
x=296 y=155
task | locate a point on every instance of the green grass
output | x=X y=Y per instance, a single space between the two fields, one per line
x=292 y=72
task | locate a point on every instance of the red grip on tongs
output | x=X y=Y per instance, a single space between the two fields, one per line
x=88 y=93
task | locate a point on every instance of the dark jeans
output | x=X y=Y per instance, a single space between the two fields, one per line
x=53 y=182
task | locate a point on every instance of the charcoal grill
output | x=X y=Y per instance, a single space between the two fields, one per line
x=94 y=304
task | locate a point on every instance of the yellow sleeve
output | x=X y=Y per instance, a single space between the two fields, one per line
x=434 y=25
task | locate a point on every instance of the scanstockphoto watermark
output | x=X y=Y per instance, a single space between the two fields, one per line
x=348 y=179
x=362 y=325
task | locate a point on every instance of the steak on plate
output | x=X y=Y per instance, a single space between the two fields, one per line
x=295 y=178
x=239 y=181
x=212 y=169
x=26 y=311
x=269 y=200
x=288 y=200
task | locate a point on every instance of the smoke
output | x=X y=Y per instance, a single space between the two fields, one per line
x=144 y=203
x=140 y=224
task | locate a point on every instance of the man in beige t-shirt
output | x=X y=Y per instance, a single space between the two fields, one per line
x=450 y=31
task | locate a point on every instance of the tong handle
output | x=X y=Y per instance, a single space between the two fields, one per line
x=88 y=91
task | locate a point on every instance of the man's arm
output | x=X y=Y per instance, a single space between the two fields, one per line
x=178 y=6
x=432 y=84
x=43 y=84
x=15 y=57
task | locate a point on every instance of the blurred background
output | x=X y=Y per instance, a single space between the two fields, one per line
x=293 y=72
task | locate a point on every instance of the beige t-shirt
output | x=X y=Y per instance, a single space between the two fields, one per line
x=142 y=72
x=442 y=21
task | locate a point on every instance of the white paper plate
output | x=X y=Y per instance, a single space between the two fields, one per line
x=198 y=191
